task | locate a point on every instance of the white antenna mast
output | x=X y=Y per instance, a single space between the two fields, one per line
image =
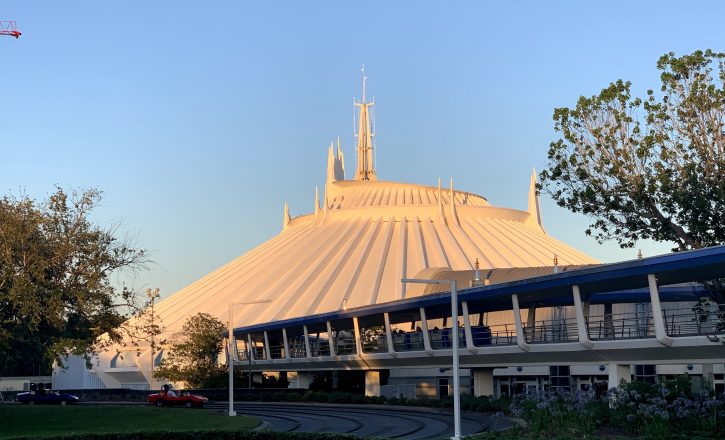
x=365 y=169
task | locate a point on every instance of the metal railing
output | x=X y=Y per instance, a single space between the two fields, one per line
x=259 y=353
x=345 y=345
x=552 y=330
x=319 y=347
x=411 y=341
x=501 y=334
x=296 y=346
x=620 y=326
x=700 y=321
x=442 y=338
x=374 y=343
x=276 y=351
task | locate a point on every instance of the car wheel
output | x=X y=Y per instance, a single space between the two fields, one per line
x=189 y=404
x=63 y=402
x=159 y=403
x=31 y=402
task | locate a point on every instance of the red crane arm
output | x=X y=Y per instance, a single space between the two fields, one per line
x=9 y=28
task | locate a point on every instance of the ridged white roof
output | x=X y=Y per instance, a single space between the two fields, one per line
x=354 y=250
x=367 y=236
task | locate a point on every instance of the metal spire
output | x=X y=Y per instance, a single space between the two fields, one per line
x=365 y=166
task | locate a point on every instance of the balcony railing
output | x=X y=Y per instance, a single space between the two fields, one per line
x=411 y=341
x=620 y=326
x=700 y=321
x=443 y=339
x=297 y=347
x=319 y=347
x=345 y=345
x=552 y=330
x=377 y=343
x=501 y=334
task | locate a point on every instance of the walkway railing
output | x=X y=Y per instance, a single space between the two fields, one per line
x=552 y=330
x=620 y=326
x=297 y=347
x=702 y=320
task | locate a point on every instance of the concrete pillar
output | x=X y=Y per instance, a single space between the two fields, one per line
x=483 y=382
x=531 y=318
x=618 y=373
x=659 y=323
x=372 y=383
x=581 y=322
x=707 y=373
x=520 y=338
x=304 y=379
x=706 y=380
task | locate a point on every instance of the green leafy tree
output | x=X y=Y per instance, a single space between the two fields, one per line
x=651 y=168
x=56 y=295
x=193 y=357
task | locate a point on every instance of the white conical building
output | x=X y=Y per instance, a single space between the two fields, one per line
x=354 y=249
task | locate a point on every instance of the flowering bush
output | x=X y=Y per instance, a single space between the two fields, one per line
x=560 y=412
x=669 y=410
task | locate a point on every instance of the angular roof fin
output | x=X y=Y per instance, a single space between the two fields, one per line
x=331 y=165
x=340 y=162
x=441 y=217
x=534 y=208
x=454 y=215
x=317 y=201
x=285 y=217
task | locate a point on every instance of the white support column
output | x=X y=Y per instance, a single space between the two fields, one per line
x=520 y=338
x=581 y=322
x=389 y=334
x=330 y=339
x=286 y=343
x=619 y=373
x=424 y=329
x=358 y=341
x=483 y=382
x=531 y=318
x=372 y=383
x=250 y=358
x=308 y=349
x=659 y=322
x=267 y=350
x=467 y=328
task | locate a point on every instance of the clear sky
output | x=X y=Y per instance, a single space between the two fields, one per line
x=199 y=119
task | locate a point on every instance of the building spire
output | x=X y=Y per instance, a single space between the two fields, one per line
x=533 y=207
x=365 y=166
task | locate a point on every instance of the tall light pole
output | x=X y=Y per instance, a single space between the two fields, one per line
x=230 y=351
x=454 y=326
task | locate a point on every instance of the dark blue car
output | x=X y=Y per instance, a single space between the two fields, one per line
x=46 y=398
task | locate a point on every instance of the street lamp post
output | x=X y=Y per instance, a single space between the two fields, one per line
x=230 y=352
x=456 y=375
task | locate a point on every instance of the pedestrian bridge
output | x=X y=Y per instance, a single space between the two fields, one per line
x=646 y=311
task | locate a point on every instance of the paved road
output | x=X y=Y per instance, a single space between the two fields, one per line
x=362 y=420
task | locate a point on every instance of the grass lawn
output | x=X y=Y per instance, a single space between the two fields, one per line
x=38 y=421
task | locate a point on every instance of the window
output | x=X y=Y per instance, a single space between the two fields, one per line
x=560 y=377
x=645 y=373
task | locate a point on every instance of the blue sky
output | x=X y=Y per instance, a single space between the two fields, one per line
x=198 y=120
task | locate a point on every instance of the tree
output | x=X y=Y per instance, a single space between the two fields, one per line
x=56 y=295
x=651 y=168
x=193 y=357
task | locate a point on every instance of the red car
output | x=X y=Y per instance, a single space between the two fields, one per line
x=168 y=397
